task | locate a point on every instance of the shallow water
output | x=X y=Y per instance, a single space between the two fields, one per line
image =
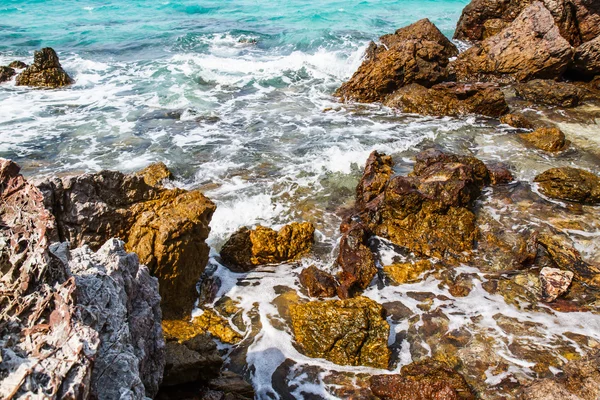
x=235 y=97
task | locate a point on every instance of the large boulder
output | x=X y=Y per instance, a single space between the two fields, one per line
x=45 y=71
x=418 y=53
x=246 y=249
x=450 y=99
x=346 y=332
x=530 y=47
x=167 y=228
x=551 y=93
x=571 y=184
x=547 y=139
x=6 y=73
x=586 y=60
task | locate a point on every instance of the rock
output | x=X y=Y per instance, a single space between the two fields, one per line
x=555 y=282
x=6 y=73
x=45 y=71
x=516 y=121
x=564 y=254
x=586 y=60
x=17 y=65
x=318 y=283
x=547 y=139
x=418 y=53
x=530 y=47
x=378 y=171
x=247 y=249
x=401 y=273
x=356 y=261
x=345 y=332
x=422 y=380
x=500 y=174
x=450 y=99
x=155 y=174
x=167 y=228
x=209 y=322
x=588 y=19
x=540 y=91
x=571 y=184
x=194 y=360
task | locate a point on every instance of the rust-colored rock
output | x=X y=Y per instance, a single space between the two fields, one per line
x=6 y=73
x=418 y=53
x=571 y=184
x=247 y=249
x=516 y=121
x=547 y=139
x=378 y=171
x=356 y=261
x=587 y=59
x=500 y=174
x=318 y=283
x=450 y=99
x=346 y=332
x=530 y=47
x=549 y=92
x=45 y=71
x=555 y=282
x=423 y=380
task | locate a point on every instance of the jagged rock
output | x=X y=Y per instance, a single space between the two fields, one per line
x=167 y=228
x=530 y=47
x=572 y=184
x=588 y=19
x=400 y=273
x=246 y=249
x=209 y=322
x=516 y=121
x=587 y=58
x=417 y=53
x=356 y=261
x=499 y=174
x=346 y=332
x=6 y=73
x=551 y=93
x=155 y=174
x=555 y=282
x=45 y=71
x=450 y=99
x=423 y=380
x=378 y=171
x=318 y=283
x=17 y=65
x=547 y=139
x=564 y=254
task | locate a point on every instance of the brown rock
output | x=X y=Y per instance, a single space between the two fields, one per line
x=587 y=58
x=17 y=65
x=547 y=139
x=45 y=71
x=356 y=261
x=191 y=361
x=570 y=184
x=155 y=174
x=378 y=171
x=555 y=282
x=6 y=73
x=516 y=121
x=588 y=19
x=551 y=93
x=528 y=249
x=450 y=99
x=346 y=332
x=318 y=283
x=530 y=47
x=246 y=249
x=401 y=273
x=209 y=322
x=422 y=380
x=418 y=53
x=499 y=174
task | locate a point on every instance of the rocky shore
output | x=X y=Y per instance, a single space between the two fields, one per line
x=107 y=291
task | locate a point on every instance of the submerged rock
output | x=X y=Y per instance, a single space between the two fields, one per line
x=555 y=282
x=530 y=47
x=547 y=139
x=356 y=261
x=346 y=332
x=6 y=73
x=572 y=184
x=551 y=93
x=587 y=58
x=450 y=99
x=318 y=283
x=45 y=71
x=247 y=249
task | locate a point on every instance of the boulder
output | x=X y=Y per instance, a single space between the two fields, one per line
x=318 y=283
x=422 y=380
x=377 y=173
x=586 y=60
x=552 y=93
x=345 y=332
x=517 y=121
x=530 y=47
x=17 y=65
x=400 y=273
x=547 y=139
x=571 y=184
x=418 y=53
x=500 y=174
x=6 y=73
x=167 y=228
x=555 y=282
x=356 y=261
x=246 y=249
x=45 y=71
x=450 y=99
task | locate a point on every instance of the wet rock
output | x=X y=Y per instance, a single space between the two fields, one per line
x=450 y=99
x=318 y=283
x=155 y=174
x=247 y=249
x=423 y=380
x=551 y=93
x=547 y=139
x=572 y=184
x=517 y=121
x=587 y=58
x=209 y=322
x=528 y=250
x=530 y=47
x=500 y=174
x=45 y=71
x=401 y=273
x=555 y=282
x=346 y=332
x=196 y=359
x=17 y=65
x=356 y=261
x=6 y=73
x=418 y=53
x=166 y=228
x=378 y=171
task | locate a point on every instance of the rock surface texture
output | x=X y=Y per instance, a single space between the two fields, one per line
x=547 y=139
x=45 y=71
x=571 y=184
x=587 y=58
x=552 y=93
x=6 y=73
